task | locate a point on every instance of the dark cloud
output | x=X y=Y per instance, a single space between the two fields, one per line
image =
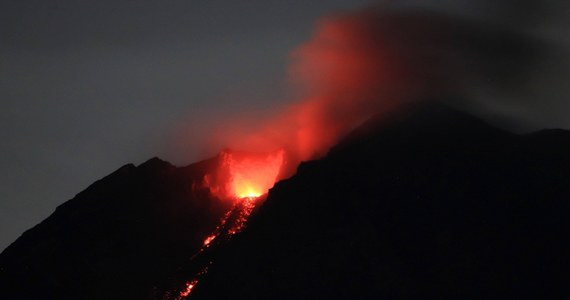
x=527 y=87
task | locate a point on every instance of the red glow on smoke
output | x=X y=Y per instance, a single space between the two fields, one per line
x=251 y=176
x=245 y=175
x=349 y=71
x=352 y=68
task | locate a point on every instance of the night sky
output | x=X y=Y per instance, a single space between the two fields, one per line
x=88 y=86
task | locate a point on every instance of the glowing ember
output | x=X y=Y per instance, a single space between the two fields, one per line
x=188 y=289
x=244 y=211
x=189 y=286
x=232 y=222
x=209 y=239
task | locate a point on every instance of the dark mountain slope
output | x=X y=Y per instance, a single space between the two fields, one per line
x=429 y=203
x=118 y=239
x=434 y=204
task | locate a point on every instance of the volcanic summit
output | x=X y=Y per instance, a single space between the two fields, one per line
x=429 y=202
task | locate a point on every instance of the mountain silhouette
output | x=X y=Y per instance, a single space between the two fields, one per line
x=118 y=239
x=429 y=202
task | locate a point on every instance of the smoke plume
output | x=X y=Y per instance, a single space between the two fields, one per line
x=374 y=61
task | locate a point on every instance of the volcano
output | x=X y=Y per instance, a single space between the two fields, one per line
x=429 y=202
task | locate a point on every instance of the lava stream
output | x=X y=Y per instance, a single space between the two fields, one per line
x=243 y=179
x=233 y=222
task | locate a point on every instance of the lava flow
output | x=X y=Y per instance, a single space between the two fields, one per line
x=242 y=178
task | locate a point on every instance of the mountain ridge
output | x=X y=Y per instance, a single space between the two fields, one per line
x=409 y=213
x=431 y=205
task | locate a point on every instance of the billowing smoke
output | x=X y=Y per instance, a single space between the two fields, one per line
x=371 y=61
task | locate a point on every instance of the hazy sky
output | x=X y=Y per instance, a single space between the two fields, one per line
x=88 y=86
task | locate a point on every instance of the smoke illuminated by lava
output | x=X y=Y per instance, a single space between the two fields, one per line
x=373 y=62
x=352 y=68
x=243 y=175
x=355 y=66
x=252 y=176
x=349 y=71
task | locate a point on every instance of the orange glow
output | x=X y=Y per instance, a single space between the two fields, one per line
x=355 y=66
x=346 y=73
x=253 y=176
x=188 y=289
x=245 y=175
x=243 y=213
x=209 y=239
x=233 y=222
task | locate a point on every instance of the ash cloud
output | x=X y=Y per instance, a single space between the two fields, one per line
x=371 y=61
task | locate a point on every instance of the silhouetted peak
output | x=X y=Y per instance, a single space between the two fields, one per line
x=427 y=201
x=137 y=224
x=438 y=116
x=156 y=162
x=425 y=123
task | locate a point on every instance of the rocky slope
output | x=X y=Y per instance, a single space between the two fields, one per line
x=434 y=204
x=431 y=203
x=124 y=237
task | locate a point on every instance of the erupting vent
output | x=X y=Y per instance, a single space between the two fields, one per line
x=243 y=178
x=252 y=176
x=245 y=175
